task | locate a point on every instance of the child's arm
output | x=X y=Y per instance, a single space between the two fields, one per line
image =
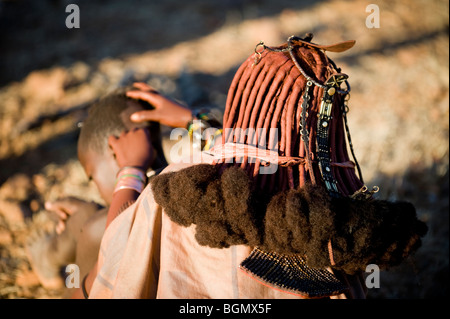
x=134 y=152
x=166 y=111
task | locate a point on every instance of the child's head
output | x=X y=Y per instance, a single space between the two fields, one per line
x=108 y=116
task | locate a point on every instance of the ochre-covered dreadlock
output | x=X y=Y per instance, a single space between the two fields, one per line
x=266 y=94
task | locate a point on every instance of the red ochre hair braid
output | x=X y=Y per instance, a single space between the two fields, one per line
x=267 y=94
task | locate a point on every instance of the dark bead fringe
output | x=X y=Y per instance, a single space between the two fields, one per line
x=290 y=273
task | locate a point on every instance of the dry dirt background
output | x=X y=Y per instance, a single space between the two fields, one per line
x=190 y=50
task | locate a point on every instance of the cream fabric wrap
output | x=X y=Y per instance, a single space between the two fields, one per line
x=144 y=254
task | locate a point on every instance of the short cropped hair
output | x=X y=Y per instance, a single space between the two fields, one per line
x=110 y=115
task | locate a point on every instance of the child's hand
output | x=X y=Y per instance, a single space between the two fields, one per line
x=66 y=207
x=133 y=148
x=166 y=111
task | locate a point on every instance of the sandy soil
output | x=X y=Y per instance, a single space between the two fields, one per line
x=190 y=50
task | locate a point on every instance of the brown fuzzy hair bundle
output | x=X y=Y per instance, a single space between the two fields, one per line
x=222 y=206
x=228 y=209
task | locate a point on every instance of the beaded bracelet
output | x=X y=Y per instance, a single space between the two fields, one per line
x=210 y=142
x=203 y=119
x=130 y=177
x=132 y=171
x=129 y=183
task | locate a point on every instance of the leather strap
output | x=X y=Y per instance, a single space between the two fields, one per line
x=336 y=47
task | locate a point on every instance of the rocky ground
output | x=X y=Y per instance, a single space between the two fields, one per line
x=190 y=50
